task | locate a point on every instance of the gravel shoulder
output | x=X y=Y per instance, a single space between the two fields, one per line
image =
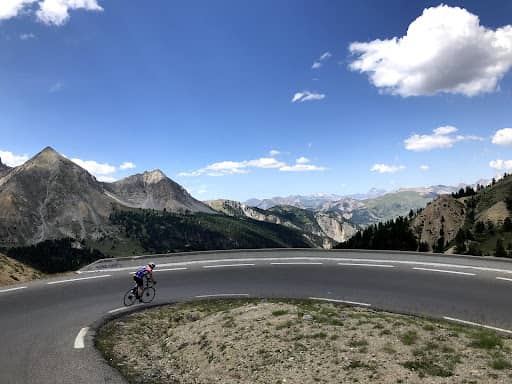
x=260 y=341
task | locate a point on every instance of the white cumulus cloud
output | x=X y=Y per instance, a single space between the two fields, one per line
x=11 y=159
x=302 y=160
x=49 y=12
x=424 y=167
x=127 y=165
x=445 y=50
x=56 y=12
x=12 y=8
x=503 y=137
x=440 y=138
x=384 y=168
x=274 y=152
x=501 y=165
x=97 y=169
x=307 y=96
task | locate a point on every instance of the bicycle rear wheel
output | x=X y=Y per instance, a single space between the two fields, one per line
x=148 y=294
x=129 y=298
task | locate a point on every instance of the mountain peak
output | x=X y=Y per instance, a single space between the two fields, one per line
x=154 y=176
x=47 y=155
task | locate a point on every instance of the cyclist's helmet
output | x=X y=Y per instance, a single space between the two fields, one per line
x=152 y=265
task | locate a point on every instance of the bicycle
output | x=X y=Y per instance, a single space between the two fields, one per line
x=148 y=294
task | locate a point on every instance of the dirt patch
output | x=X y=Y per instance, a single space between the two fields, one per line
x=246 y=341
x=13 y=272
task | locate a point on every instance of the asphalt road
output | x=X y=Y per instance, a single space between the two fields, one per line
x=41 y=321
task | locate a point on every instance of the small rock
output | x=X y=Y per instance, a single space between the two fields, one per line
x=307 y=317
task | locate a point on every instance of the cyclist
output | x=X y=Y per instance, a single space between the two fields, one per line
x=144 y=272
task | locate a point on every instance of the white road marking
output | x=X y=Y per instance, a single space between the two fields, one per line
x=503 y=278
x=444 y=271
x=340 y=301
x=117 y=309
x=223 y=295
x=331 y=259
x=297 y=263
x=11 y=289
x=476 y=324
x=79 y=340
x=367 y=265
x=79 y=279
x=228 y=265
x=169 y=269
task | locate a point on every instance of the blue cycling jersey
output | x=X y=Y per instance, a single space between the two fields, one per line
x=143 y=272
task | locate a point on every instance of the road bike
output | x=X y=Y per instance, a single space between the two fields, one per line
x=148 y=293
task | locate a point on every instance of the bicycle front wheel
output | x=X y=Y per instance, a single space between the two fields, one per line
x=148 y=294
x=129 y=298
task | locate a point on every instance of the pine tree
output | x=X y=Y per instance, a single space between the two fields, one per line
x=500 y=249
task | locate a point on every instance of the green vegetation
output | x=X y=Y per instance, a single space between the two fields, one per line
x=54 y=256
x=394 y=234
x=158 y=231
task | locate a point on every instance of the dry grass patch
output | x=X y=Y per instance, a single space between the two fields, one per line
x=251 y=341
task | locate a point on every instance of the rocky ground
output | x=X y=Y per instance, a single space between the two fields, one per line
x=13 y=272
x=253 y=341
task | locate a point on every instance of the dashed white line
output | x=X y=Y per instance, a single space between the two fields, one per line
x=444 y=271
x=297 y=263
x=476 y=324
x=223 y=295
x=11 y=289
x=79 y=340
x=503 y=278
x=229 y=265
x=79 y=279
x=341 y=301
x=367 y=265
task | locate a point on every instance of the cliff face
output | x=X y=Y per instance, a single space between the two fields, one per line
x=446 y=214
x=327 y=228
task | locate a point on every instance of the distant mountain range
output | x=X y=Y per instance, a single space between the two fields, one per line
x=476 y=220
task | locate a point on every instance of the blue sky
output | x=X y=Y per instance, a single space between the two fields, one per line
x=203 y=90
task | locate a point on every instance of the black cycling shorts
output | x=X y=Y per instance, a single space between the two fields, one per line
x=139 y=281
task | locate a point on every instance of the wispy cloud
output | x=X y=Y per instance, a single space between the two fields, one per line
x=49 y=12
x=27 y=36
x=274 y=152
x=58 y=86
x=384 y=168
x=300 y=97
x=440 y=139
x=319 y=62
x=223 y=168
x=11 y=159
x=445 y=50
x=424 y=167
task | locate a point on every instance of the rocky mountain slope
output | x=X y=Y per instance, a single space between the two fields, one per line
x=51 y=197
x=154 y=190
x=475 y=221
x=3 y=168
x=327 y=228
